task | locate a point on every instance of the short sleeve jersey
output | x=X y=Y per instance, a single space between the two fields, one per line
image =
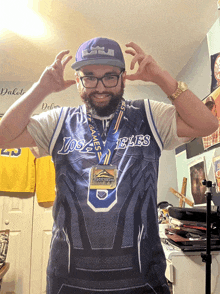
x=107 y=239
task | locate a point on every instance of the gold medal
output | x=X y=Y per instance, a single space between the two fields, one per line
x=103 y=177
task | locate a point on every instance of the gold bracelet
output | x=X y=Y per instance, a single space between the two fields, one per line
x=182 y=87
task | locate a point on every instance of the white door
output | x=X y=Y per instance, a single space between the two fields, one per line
x=16 y=215
x=42 y=231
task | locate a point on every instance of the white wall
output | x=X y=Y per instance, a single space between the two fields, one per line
x=196 y=74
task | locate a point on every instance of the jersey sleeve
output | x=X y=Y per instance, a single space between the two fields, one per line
x=41 y=127
x=164 y=118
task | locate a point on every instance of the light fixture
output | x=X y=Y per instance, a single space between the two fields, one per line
x=16 y=16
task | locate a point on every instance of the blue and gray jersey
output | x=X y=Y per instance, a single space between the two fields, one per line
x=107 y=244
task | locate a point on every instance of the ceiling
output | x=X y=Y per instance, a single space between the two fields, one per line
x=169 y=30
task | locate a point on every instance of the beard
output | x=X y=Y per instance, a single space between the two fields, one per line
x=105 y=110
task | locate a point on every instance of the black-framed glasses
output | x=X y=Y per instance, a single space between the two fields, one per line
x=108 y=81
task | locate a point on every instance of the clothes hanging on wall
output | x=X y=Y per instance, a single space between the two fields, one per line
x=21 y=172
x=45 y=179
x=17 y=170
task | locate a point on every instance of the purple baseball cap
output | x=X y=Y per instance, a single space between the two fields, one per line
x=99 y=51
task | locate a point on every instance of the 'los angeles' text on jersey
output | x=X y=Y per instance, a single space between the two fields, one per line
x=70 y=144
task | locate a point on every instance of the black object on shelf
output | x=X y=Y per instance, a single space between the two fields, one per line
x=207 y=257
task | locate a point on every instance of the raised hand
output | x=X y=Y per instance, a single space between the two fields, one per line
x=148 y=70
x=52 y=78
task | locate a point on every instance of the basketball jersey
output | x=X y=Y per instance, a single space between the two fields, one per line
x=45 y=179
x=107 y=243
x=17 y=170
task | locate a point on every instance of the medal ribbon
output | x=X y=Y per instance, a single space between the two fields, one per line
x=104 y=153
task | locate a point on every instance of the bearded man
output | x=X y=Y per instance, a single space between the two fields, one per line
x=106 y=154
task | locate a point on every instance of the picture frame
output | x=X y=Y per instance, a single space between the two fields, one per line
x=197 y=171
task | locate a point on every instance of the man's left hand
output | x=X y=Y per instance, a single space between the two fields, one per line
x=148 y=71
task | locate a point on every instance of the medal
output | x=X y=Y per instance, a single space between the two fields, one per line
x=102 y=193
x=103 y=177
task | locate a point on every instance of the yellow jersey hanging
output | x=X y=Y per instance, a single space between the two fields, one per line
x=17 y=170
x=45 y=179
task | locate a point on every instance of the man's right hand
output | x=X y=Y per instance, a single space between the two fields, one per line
x=13 y=125
x=52 y=79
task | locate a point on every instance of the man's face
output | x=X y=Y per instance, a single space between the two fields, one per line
x=101 y=99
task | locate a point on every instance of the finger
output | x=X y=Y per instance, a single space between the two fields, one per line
x=57 y=64
x=138 y=58
x=135 y=47
x=62 y=54
x=133 y=62
x=132 y=77
x=66 y=60
x=130 y=52
x=61 y=64
x=146 y=60
x=69 y=83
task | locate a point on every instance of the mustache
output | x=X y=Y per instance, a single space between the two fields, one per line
x=97 y=92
